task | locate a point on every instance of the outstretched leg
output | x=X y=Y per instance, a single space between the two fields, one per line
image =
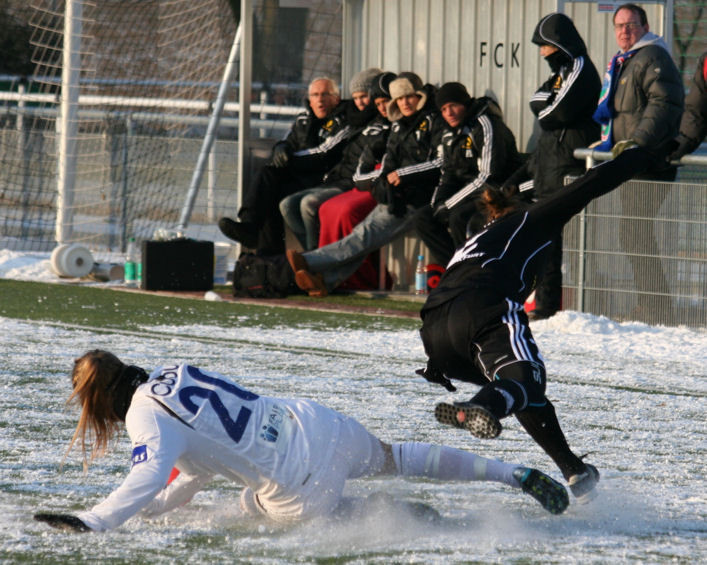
x=415 y=459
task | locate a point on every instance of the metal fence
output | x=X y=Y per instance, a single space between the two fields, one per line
x=640 y=253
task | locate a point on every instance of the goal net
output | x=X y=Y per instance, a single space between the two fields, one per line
x=145 y=73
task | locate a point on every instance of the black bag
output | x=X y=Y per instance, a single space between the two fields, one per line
x=262 y=276
x=178 y=264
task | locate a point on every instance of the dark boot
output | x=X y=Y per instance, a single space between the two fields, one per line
x=244 y=232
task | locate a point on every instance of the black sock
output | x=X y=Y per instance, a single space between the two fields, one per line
x=542 y=425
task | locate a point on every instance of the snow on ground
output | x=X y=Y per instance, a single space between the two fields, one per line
x=631 y=395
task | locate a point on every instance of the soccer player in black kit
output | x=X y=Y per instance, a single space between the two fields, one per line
x=476 y=330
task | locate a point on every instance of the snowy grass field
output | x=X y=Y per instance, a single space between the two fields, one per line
x=633 y=396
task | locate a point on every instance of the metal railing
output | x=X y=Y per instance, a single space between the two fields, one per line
x=640 y=252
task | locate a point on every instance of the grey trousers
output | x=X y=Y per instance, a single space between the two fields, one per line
x=301 y=213
x=339 y=260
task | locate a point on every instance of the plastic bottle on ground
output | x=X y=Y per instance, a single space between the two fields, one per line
x=420 y=276
x=133 y=264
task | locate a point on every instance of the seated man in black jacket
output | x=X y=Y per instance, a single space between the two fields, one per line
x=312 y=147
x=478 y=148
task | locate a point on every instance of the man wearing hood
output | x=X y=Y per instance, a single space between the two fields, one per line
x=641 y=103
x=563 y=105
x=478 y=148
x=408 y=172
x=312 y=147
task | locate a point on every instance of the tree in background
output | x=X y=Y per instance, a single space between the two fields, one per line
x=689 y=35
x=15 y=47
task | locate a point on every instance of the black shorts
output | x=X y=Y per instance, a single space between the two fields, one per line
x=473 y=335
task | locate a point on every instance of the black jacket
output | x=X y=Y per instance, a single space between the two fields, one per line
x=316 y=145
x=507 y=256
x=564 y=105
x=375 y=137
x=341 y=175
x=414 y=151
x=482 y=149
x=693 y=125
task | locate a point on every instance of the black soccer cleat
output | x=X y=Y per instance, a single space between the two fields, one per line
x=583 y=484
x=547 y=491
x=472 y=417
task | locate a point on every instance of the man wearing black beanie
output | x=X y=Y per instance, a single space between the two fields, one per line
x=478 y=148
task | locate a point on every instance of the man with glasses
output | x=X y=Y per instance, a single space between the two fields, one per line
x=313 y=146
x=641 y=103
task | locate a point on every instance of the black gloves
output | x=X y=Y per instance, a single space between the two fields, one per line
x=65 y=522
x=381 y=191
x=386 y=193
x=436 y=376
x=280 y=155
x=684 y=147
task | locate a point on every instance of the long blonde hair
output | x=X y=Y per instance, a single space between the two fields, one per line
x=94 y=375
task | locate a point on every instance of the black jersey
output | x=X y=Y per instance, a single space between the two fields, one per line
x=507 y=256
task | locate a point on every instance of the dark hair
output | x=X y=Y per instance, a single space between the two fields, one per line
x=640 y=12
x=495 y=203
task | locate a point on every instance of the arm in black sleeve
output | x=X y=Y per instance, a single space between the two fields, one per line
x=557 y=209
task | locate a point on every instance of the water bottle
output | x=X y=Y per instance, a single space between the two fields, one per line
x=133 y=264
x=420 y=276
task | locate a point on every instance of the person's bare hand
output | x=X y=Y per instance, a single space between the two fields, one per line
x=393 y=178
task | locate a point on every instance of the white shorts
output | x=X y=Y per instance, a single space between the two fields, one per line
x=356 y=453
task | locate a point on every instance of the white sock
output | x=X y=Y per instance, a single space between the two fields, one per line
x=415 y=459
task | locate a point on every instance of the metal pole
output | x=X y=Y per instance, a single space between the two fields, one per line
x=245 y=74
x=211 y=131
x=67 y=125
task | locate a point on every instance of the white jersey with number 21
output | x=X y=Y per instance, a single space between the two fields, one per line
x=204 y=424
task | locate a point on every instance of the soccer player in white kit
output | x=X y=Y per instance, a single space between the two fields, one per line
x=293 y=456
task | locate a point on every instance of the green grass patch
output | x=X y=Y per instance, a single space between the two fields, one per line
x=104 y=307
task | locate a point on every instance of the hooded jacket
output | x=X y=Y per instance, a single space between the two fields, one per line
x=563 y=105
x=481 y=149
x=649 y=97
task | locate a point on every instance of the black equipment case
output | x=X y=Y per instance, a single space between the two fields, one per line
x=178 y=264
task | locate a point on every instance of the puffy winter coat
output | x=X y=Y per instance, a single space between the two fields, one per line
x=359 y=121
x=649 y=97
x=414 y=151
x=693 y=126
x=315 y=145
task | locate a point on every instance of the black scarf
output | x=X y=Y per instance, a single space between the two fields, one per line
x=557 y=59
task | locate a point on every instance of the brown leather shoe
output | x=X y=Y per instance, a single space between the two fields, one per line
x=296 y=260
x=312 y=284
